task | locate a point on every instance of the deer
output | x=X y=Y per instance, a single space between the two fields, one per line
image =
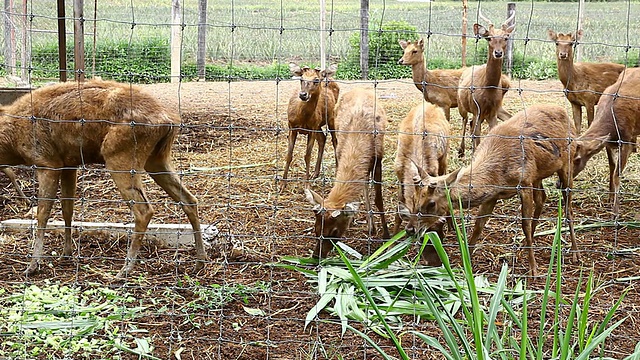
x=440 y=87
x=482 y=88
x=361 y=122
x=583 y=82
x=59 y=127
x=514 y=159
x=309 y=109
x=423 y=139
x=615 y=127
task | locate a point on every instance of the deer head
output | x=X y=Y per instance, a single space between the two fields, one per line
x=331 y=221
x=497 y=37
x=310 y=79
x=564 y=43
x=429 y=203
x=412 y=52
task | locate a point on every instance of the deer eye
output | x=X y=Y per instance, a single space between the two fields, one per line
x=414 y=52
x=316 y=81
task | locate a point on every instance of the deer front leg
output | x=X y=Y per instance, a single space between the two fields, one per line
x=398 y=219
x=321 y=138
x=293 y=134
x=484 y=211
x=625 y=151
x=377 y=185
x=577 y=117
x=590 y=113
x=47 y=186
x=465 y=120
x=566 y=182
x=68 y=182
x=526 y=197
x=503 y=114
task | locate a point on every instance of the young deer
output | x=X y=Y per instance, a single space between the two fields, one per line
x=615 y=127
x=423 y=139
x=60 y=127
x=440 y=87
x=361 y=123
x=513 y=160
x=583 y=82
x=482 y=88
x=309 y=110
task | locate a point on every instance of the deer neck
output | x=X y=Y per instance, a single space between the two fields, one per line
x=420 y=74
x=493 y=71
x=468 y=192
x=308 y=108
x=566 y=71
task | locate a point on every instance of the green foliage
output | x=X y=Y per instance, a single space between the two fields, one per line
x=384 y=51
x=243 y=71
x=529 y=68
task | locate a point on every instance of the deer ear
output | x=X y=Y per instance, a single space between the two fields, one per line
x=552 y=35
x=451 y=178
x=313 y=198
x=421 y=43
x=403 y=44
x=329 y=72
x=351 y=208
x=579 y=34
x=417 y=173
x=508 y=29
x=295 y=69
x=480 y=30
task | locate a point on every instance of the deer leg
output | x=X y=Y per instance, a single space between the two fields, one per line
x=465 y=120
x=367 y=203
x=484 y=211
x=47 y=186
x=334 y=141
x=377 y=185
x=68 y=181
x=447 y=113
x=164 y=175
x=398 y=219
x=503 y=114
x=526 y=197
x=577 y=117
x=612 y=169
x=566 y=182
x=476 y=125
x=590 y=113
x=539 y=198
x=307 y=154
x=12 y=177
x=132 y=191
x=293 y=134
x=321 y=138
x=623 y=156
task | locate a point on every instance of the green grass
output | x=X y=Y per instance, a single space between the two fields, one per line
x=275 y=32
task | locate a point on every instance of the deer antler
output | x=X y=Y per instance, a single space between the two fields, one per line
x=513 y=16
x=483 y=18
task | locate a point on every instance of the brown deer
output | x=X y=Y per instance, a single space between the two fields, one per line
x=60 y=127
x=482 y=88
x=583 y=82
x=361 y=122
x=514 y=159
x=423 y=140
x=12 y=177
x=615 y=127
x=440 y=87
x=309 y=110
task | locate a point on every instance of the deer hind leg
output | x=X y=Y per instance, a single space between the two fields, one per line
x=47 y=185
x=293 y=134
x=526 y=197
x=12 y=177
x=398 y=220
x=321 y=138
x=377 y=185
x=465 y=120
x=68 y=183
x=590 y=113
x=131 y=188
x=612 y=169
x=623 y=156
x=163 y=174
x=503 y=114
x=539 y=198
x=476 y=125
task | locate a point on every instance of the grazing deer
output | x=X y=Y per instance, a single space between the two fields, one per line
x=309 y=110
x=423 y=140
x=514 y=159
x=60 y=127
x=615 y=127
x=482 y=88
x=12 y=177
x=583 y=82
x=361 y=122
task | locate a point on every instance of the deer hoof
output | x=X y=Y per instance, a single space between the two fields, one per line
x=32 y=269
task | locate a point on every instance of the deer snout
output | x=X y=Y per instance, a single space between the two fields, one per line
x=400 y=62
x=563 y=55
x=497 y=54
x=410 y=229
x=304 y=96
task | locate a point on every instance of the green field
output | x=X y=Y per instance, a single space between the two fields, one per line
x=275 y=31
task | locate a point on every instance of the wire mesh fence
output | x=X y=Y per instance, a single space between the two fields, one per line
x=229 y=151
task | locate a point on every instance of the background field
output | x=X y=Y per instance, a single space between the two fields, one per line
x=230 y=154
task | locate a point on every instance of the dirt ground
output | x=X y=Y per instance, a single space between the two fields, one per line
x=230 y=154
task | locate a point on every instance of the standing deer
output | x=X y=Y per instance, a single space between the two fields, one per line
x=309 y=110
x=361 y=122
x=583 y=82
x=514 y=159
x=615 y=127
x=482 y=88
x=440 y=87
x=60 y=127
